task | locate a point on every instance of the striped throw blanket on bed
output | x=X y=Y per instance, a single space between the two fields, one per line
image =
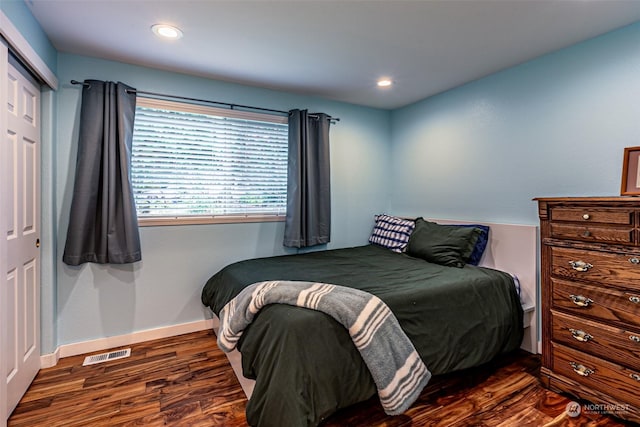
x=396 y=368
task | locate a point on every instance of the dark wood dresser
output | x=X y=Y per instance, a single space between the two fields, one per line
x=590 y=278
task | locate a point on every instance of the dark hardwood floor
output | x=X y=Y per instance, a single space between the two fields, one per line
x=187 y=381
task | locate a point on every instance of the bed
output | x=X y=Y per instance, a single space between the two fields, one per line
x=304 y=363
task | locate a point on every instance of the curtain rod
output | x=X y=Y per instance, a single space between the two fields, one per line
x=231 y=106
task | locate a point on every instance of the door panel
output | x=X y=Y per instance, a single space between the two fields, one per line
x=11 y=206
x=12 y=339
x=29 y=187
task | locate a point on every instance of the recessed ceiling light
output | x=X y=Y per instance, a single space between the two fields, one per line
x=166 y=31
x=385 y=82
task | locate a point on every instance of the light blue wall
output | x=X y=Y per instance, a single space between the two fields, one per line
x=97 y=301
x=48 y=232
x=555 y=126
x=21 y=17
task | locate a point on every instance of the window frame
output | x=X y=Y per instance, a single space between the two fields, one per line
x=171 y=220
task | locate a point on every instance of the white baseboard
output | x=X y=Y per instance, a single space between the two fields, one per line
x=50 y=360
x=66 y=350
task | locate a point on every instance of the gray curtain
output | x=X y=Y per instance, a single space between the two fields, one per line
x=308 y=221
x=103 y=225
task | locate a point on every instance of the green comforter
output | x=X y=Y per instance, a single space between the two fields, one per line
x=304 y=362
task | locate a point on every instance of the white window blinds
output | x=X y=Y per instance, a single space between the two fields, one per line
x=192 y=160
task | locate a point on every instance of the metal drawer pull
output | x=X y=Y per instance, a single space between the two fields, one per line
x=586 y=233
x=585 y=216
x=634 y=338
x=634 y=299
x=581 y=300
x=635 y=377
x=581 y=369
x=580 y=265
x=580 y=335
x=634 y=260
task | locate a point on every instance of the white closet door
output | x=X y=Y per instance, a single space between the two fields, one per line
x=21 y=230
x=3 y=244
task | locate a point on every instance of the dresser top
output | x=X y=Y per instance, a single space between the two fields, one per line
x=614 y=199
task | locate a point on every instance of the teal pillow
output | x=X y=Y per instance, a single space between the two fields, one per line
x=448 y=245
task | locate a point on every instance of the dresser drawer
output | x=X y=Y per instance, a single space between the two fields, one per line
x=605 y=268
x=592 y=233
x=607 y=304
x=618 y=345
x=610 y=378
x=588 y=214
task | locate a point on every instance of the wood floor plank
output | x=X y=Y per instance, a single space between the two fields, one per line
x=135 y=407
x=187 y=381
x=526 y=417
x=53 y=390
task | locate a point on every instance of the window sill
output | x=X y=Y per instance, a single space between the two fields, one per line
x=195 y=220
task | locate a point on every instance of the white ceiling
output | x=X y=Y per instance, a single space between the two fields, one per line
x=333 y=49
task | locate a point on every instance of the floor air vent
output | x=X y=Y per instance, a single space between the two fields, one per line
x=105 y=357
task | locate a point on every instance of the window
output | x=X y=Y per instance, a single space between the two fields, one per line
x=201 y=164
